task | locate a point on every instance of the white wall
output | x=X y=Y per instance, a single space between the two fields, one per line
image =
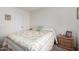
x=61 y=19
x=19 y=21
x=78 y=33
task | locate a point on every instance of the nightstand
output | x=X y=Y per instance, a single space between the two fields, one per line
x=65 y=42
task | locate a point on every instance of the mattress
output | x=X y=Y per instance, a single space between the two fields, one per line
x=33 y=40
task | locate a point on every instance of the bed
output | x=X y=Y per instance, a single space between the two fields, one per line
x=31 y=40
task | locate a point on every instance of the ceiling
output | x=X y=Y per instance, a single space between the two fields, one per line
x=30 y=8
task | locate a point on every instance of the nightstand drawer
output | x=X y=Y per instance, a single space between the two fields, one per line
x=67 y=41
x=66 y=44
x=64 y=41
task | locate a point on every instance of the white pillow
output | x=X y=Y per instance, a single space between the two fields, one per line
x=39 y=28
x=44 y=28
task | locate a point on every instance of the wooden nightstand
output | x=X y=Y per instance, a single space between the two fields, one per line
x=65 y=42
